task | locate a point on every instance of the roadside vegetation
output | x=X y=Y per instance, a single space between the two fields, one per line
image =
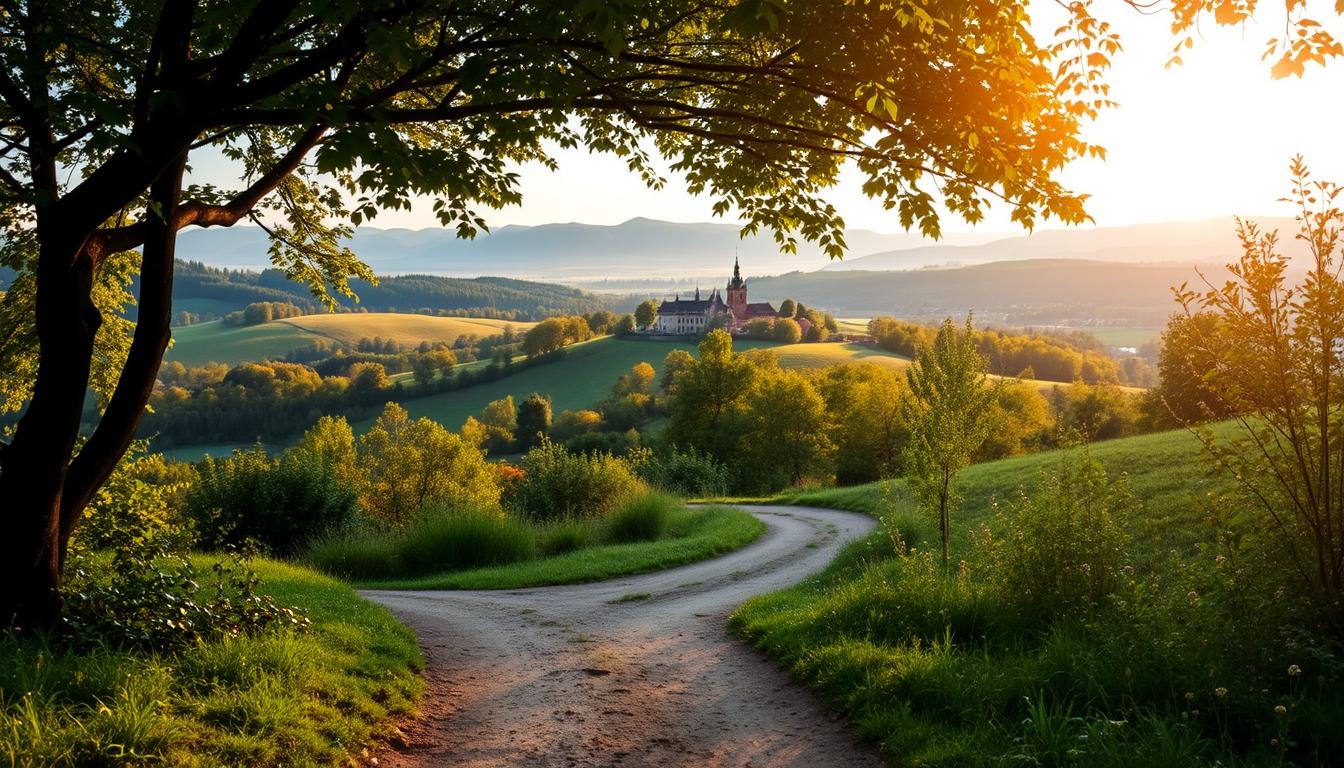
x=1171 y=599
x=167 y=657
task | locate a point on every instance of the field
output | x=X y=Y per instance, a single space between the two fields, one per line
x=954 y=670
x=216 y=342
x=828 y=354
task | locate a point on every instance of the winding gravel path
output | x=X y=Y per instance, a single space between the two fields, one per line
x=574 y=676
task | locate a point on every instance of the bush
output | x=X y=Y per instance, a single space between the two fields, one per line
x=688 y=474
x=252 y=498
x=442 y=539
x=1062 y=550
x=642 y=519
x=559 y=484
x=451 y=540
x=146 y=598
x=564 y=536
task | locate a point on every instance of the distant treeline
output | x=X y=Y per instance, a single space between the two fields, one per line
x=489 y=297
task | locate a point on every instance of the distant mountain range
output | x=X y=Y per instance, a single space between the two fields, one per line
x=1210 y=241
x=559 y=252
x=653 y=250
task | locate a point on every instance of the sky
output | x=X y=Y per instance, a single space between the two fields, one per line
x=1210 y=138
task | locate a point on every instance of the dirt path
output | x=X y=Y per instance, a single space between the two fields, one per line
x=573 y=676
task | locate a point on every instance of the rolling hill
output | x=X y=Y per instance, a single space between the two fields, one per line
x=216 y=342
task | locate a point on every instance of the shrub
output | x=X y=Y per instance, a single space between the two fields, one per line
x=252 y=498
x=688 y=474
x=441 y=539
x=1062 y=550
x=560 y=484
x=564 y=536
x=147 y=598
x=644 y=518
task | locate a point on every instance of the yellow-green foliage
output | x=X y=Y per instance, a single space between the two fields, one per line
x=407 y=464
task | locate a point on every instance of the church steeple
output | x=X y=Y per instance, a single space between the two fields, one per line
x=736 y=282
x=697 y=291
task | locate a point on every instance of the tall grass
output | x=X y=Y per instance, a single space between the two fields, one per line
x=643 y=518
x=440 y=540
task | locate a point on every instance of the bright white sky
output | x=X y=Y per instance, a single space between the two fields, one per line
x=1210 y=138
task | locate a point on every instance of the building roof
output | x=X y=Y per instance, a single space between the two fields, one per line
x=761 y=309
x=680 y=306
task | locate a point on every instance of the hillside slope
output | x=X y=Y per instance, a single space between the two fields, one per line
x=216 y=342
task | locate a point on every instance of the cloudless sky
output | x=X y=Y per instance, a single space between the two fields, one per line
x=1212 y=137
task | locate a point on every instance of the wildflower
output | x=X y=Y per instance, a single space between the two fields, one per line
x=1129 y=570
x=1189 y=695
x=1294 y=670
x=1194 y=713
x=1273 y=742
x=1220 y=691
x=1219 y=560
x=1280 y=710
x=1192 y=597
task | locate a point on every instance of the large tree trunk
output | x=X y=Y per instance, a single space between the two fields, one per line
x=33 y=466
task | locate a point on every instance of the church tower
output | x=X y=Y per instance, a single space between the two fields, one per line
x=737 y=293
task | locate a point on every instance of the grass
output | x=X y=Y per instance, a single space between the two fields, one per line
x=580 y=380
x=692 y=535
x=279 y=698
x=945 y=671
x=215 y=342
x=1167 y=472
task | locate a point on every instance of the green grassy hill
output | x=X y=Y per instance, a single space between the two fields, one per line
x=580 y=380
x=216 y=342
x=1169 y=474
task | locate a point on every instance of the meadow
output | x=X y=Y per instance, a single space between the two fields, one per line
x=213 y=341
x=282 y=697
x=1182 y=668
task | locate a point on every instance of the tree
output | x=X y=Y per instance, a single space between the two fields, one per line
x=948 y=398
x=1190 y=348
x=787 y=308
x=863 y=404
x=675 y=363
x=333 y=113
x=534 y=421
x=787 y=434
x=625 y=325
x=408 y=465
x=1275 y=366
x=708 y=397
x=638 y=381
x=787 y=331
x=547 y=336
x=331 y=443
x=646 y=314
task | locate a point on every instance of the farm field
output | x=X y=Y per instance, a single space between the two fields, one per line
x=828 y=353
x=216 y=342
